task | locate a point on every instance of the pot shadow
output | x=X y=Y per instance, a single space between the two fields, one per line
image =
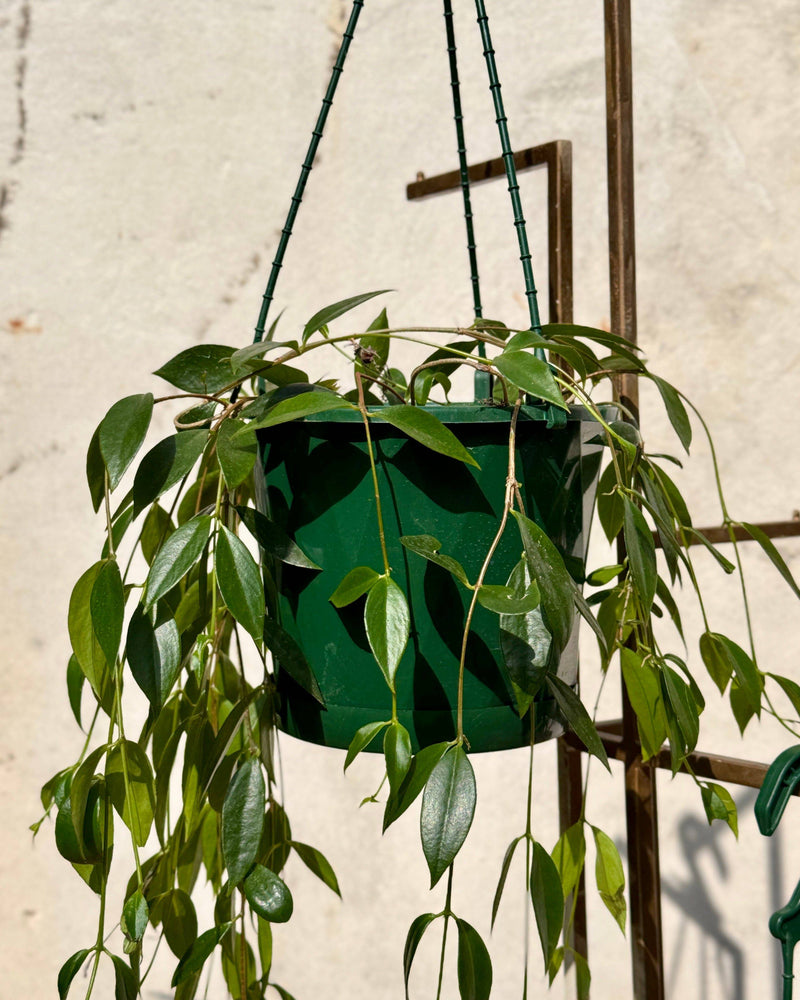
x=446 y=482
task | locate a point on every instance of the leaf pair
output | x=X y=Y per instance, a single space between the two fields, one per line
x=474 y=964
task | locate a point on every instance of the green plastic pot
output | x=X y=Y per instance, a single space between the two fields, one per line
x=319 y=487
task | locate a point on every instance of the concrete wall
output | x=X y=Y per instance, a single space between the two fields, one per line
x=147 y=154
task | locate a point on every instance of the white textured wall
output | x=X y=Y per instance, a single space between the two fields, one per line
x=147 y=153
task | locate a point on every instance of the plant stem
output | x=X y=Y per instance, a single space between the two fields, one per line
x=447 y=914
x=378 y=510
x=109 y=529
x=242 y=952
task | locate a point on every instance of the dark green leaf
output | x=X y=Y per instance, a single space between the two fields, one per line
x=239 y=582
x=548 y=900
x=790 y=689
x=156 y=530
x=422 y=766
x=329 y=313
x=555 y=584
x=79 y=795
x=179 y=920
x=583 y=977
x=681 y=698
x=268 y=895
x=236 y=453
x=121 y=433
x=69 y=970
x=205 y=369
x=243 y=820
x=525 y=643
x=291 y=658
x=240 y=359
x=75 y=679
x=273 y=539
x=604 y=575
x=154 y=655
x=397 y=752
x=717 y=663
x=726 y=564
x=264 y=946
x=107 y=606
x=747 y=674
x=354 y=585
x=644 y=692
x=610 y=508
x=505 y=601
x=501 y=882
x=448 y=805
x=304 y=404
x=578 y=718
x=85 y=644
x=610 y=876
x=135 y=914
x=165 y=465
x=176 y=557
x=136 y=808
x=676 y=412
x=641 y=553
x=195 y=959
x=474 y=964
x=531 y=374
x=424 y=427
x=386 y=619
x=284 y=994
x=365 y=735
x=586 y=613
x=569 y=855
x=428 y=547
x=740 y=706
x=775 y=557
x=96 y=471
x=126 y=984
x=719 y=804
x=318 y=864
x=413 y=938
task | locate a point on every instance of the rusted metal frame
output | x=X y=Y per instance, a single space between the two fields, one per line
x=640 y=778
x=772 y=529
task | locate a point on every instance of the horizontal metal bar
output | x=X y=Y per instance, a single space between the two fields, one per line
x=525 y=159
x=772 y=529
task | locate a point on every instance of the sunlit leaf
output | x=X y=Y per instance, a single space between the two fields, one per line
x=719 y=804
x=243 y=820
x=121 y=433
x=317 y=863
x=448 y=805
x=268 y=895
x=273 y=539
x=329 y=313
x=428 y=547
x=165 y=465
x=548 y=900
x=423 y=426
x=240 y=582
x=644 y=692
x=578 y=718
x=610 y=876
x=176 y=557
x=204 y=369
x=531 y=374
x=474 y=964
x=387 y=621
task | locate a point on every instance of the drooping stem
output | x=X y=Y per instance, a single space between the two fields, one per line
x=447 y=914
x=242 y=951
x=378 y=509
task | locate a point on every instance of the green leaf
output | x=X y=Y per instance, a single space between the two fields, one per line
x=790 y=689
x=329 y=313
x=775 y=557
x=610 y=508
x=79 y=795
x=605 y=574
x=96 y=471
x=236 y=453
x=548 y=900
x=205 y=369
x=291 y=658
x=531 y=374
x=578 y=718
x=747 y=674
x=413 y=938
x=126 y=984
x=424 y=427
x=268 y=895
x=501 y=882
x=304 y=404
x=354 y=585
x=154 y=655
x=740 y=706
x=428 y=547
x=107 y=607
x=362 y=739
x=665 y=596
x=448 y=805
x=165 y=465
x=505 y=601
x=317 y=864
x=644 y=692
x=135 y=914
x=240 y=582
x=85 y=645
x=676 y=411
x=474 y=964
x=136 y=806
x=156 y=530
x=265 y=946
x=69 y=970
x=121 y=433
x=726 y=564
x=525 y=643
x=176 y=912
x=176 y=557
x=569 y=855
x=243 y=820
x=583 y=977
x=419 y=772
x=555 y=584
x=239 y=359
x=641 y=553
x=387 y=621
x=610 y=876
x=273 y=539
x=717 y=663
x=397 y=752
x=200 y=951
x=719 y=804
x=682 y=700
x=75 y=679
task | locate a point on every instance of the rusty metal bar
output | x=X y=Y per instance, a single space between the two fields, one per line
x=772 y=529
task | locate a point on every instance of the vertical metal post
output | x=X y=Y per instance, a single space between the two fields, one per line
x=640 y=780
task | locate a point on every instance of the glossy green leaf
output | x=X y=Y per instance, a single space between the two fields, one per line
x=387 y=622
x=80 y=787
x=200 y=951
x=419 y=772
x=698 y=536
x=578 y=718
x=268 y=895
x=240 y=582
x=428 y=547
x=610 y=876
x=741 y=707
x=264 y=946
x=555 y=584
x=605 y=574
x=548 y=900
x=96 y=471
x=354 y=585
x=69 y=970
x=718 y=804
x=747 y=674
x=107 y=606
x=236 y=452
x=154 y=655
x=775 y=557
x=165 y=465
x=329 y=313
x=304 y=404
x=474 y=964
x=397 y=753
x=205 y=369
x=318 y=864
x=240 y=360
x=121 y=433
x=273 y=539
x=644 y=692
x=676 y=411
x=137 y=807
x=126 y=983
x=501 y=882
x=504 y=601
x=790 y=688
x=291 y=658
x=362 y=739
x=423 y=426
x=178 y=918
x=176 y=557
x=582 y=606
x=75 y=680
x=568 y=856
x=525 y=643
x=531 y=374
x=243 y=820
x=156 y=530
x=610 y=508
x=717 y=663
x=85 y=645
x=418 y=927
x=682 y=701
x=135 y=915
x=641 y=553
x=448 y=805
